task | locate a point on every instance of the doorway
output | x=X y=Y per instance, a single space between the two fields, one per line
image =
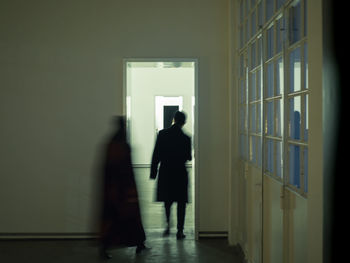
x=154 y=89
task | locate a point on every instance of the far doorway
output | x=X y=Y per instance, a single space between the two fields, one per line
x=154 y=90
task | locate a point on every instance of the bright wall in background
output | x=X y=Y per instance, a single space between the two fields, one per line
x=145 y=85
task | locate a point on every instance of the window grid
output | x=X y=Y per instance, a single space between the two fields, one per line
x=243 y=108
x=280 y=33
x=255 y=103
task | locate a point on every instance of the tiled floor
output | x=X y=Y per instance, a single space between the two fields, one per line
x=153 y=212
x=162 y=250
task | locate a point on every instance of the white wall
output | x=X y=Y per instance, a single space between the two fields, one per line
x=146 y=83
x=61 y=79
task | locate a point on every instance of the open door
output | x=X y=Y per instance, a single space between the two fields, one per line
x=154 y=90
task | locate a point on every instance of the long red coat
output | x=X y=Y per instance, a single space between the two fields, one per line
x=121 y=218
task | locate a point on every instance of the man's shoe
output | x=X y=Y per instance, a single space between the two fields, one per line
x=166 y=232
x=180 y=235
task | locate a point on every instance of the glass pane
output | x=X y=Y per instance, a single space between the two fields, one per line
x=241 y=14
x=260 y=17
x=294 y=165
x=258 y=118
x=305 y=17
x=280 y=3
x=306 y=68
x=253 y=86
x=253 y=55
x=279 y=118
x=294 y=117
x=253 y=118
x=253 y=23
x=295 y=22
x=259 y=57
x=306 y=169
x=269 y=118
x=295 y=70
x=269 y=80
x=241 y=37
x=247 y=30
x=246 y=7
x=269 y=9
x=270 y=42
x=269 y=156
x=306 y=118
x=279 y=77
x=279 y=28
x=258 y=84
x=279 y=159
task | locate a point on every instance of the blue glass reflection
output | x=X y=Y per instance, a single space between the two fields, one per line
x=294 y=165
x=294 y=117
x=270 y=42
x=270 y=80
x=269 y=156
x=253 y=86
x=295 y=70
x=253 y=23
x=295 y=24
x=269 y=9
x=270 y=110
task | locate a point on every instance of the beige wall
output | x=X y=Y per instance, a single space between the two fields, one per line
x=61 y=76
x=144 y=84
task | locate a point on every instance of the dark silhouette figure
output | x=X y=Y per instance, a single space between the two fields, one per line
x=172 y=150
x=121 y=223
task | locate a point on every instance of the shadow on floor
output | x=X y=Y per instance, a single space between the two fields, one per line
x=165 y=250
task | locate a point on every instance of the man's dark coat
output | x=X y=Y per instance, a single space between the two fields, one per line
x=172 y=150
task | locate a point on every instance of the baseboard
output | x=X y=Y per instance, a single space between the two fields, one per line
x=212 y=234
x=40 y=236
x=188 y=165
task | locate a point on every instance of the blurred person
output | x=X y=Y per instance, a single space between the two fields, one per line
x=172 y=150
x=121 y=223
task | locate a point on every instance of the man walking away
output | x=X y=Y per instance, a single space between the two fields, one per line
x=172 y=150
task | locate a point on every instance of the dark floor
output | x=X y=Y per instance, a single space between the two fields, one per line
x=162 y=250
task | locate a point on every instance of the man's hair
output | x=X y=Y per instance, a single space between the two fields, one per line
x=180 y=118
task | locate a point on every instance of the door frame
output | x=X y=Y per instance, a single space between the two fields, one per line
x=195 y=136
